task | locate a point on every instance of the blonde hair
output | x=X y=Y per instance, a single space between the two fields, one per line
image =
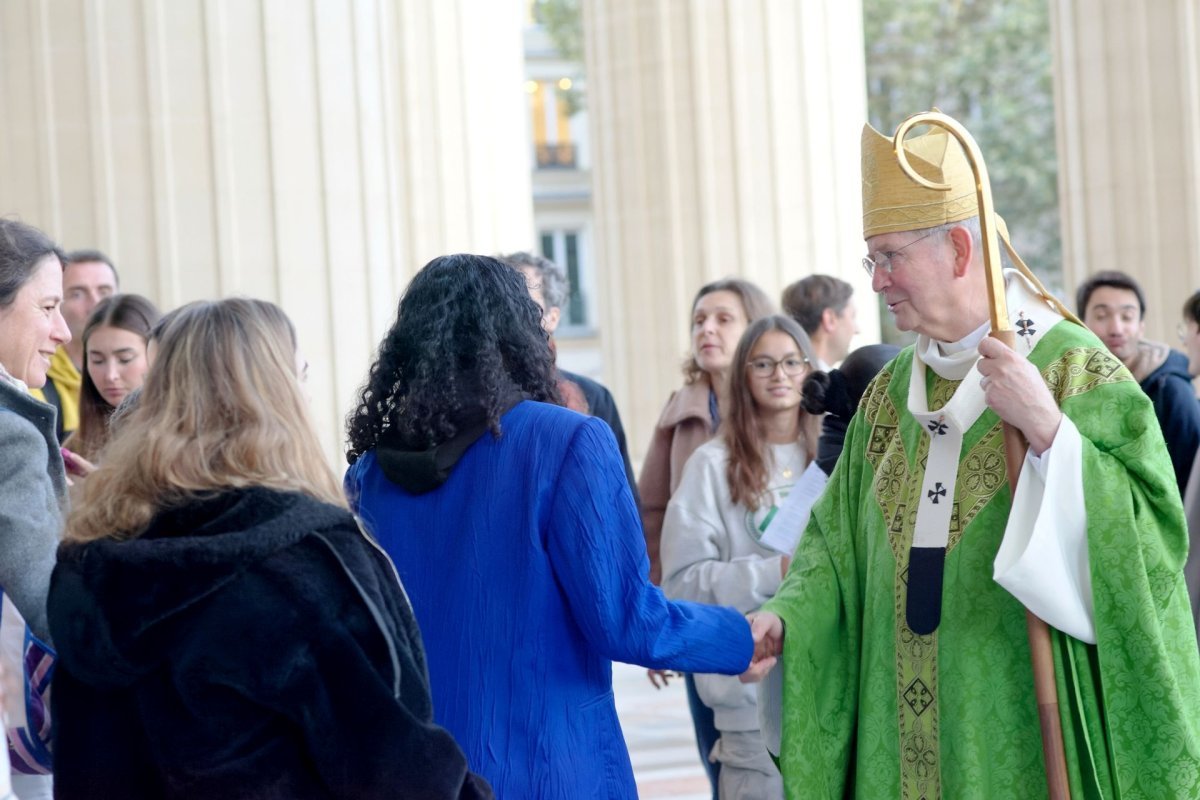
x=221 y=408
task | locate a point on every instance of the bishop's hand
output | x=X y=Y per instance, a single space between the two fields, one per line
x=767 y=630
x=1014 y=389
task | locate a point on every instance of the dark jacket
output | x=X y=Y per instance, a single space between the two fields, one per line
x=250 y=645
x=601 y=404
x=1170 y=389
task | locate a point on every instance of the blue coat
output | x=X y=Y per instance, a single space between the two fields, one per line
x=528 y=574
x=1170 y=389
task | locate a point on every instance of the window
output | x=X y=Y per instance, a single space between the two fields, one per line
x=564 y=248
x=551 y=118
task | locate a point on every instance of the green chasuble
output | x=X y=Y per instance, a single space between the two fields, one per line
x=873 y=710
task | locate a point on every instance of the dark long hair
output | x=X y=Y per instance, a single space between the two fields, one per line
x=466 y=335
x=129 y=312
x=747 y=467
x=22 y=248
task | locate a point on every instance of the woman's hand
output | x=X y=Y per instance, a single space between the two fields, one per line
x=76 y=464
x=664 y=675
x=767 y=631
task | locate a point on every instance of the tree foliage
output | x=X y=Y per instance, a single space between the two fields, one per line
x=563 y=22
x=987 y=63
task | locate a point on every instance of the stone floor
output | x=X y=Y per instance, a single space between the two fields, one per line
x=658 y=731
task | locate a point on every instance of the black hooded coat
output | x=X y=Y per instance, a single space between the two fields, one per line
x=254 y=644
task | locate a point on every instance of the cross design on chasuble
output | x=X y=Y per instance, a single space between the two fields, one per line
x=918 y=696
x=937 y=427
x=936 y=492
x=1025 y=326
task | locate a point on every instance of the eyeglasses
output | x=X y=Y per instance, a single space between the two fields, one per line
x=883 y=260
x=765 y=367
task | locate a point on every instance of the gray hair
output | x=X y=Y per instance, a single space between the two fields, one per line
x=971 y=225
x=554 y=285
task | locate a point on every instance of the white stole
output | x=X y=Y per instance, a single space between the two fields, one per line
x=1031 y=317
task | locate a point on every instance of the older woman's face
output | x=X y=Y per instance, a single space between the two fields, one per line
x=32 y=326
x=718 y=321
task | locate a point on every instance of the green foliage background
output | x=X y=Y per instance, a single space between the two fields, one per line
x=563 y=21
x=987 y=63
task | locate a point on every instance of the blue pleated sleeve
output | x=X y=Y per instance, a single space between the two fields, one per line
x=598 y=554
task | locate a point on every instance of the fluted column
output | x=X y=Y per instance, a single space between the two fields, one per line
x=1127 y=88
x=726 y=142
x=312 y=152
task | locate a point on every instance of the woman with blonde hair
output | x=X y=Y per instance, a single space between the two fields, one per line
x=729 y=494
x=224 y=628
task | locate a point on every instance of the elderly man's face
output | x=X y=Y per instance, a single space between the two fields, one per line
x=919 y=290
x=550 y=316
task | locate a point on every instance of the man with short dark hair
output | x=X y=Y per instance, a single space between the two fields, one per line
x=823 y=306
x=1113 y=305
x=88 y=277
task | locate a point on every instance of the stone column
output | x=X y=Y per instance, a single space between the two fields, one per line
x=725 y=137
x=311 y=152
x=1127 y=86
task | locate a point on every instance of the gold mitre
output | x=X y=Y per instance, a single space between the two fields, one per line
x=894 y=202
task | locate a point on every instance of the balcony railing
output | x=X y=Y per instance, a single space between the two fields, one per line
x=555 y=156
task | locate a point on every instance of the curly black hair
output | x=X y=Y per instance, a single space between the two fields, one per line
x=466 y=333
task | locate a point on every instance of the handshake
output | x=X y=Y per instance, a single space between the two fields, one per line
x=767 y=631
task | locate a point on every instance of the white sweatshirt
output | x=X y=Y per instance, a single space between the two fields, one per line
x=711 y=554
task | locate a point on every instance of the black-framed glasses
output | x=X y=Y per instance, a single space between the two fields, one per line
x=883 y=259
x=765 y=367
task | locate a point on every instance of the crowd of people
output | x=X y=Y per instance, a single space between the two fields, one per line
x=821 y=539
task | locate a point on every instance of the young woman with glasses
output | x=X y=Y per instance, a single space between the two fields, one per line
x=720 y=313
x=729 y=494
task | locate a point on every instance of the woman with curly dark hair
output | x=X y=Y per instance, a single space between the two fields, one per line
x=514 y=530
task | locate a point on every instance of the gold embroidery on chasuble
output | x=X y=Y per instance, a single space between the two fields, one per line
x=1082 y=369
x=897 y=487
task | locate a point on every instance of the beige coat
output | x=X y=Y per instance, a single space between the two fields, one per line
x=684 y=425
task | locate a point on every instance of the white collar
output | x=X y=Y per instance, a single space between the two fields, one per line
x=1030 y=314
x=7 y=377
x=952 y=360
